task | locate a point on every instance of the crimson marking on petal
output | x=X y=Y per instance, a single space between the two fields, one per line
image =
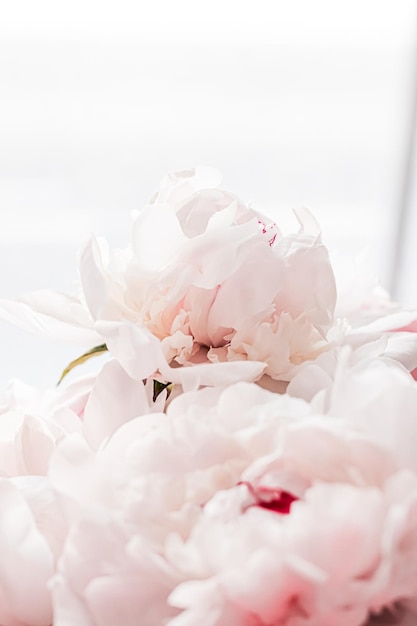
x=263 y=226
x=276 y=500
x=271 y=241
x=271 y=228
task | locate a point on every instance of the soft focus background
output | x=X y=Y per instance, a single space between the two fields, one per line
x=308 y=102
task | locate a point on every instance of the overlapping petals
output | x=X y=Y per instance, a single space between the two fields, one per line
x=244 y=454
x=245 y=507
x=211 y=278
x=229 y=286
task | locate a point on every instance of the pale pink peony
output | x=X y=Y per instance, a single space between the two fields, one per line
x=245 y=507
x=340 y=554
x=228 y=505
x=212 y=279
x=216 y=281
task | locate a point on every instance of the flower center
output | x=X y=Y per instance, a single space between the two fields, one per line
x=270 y=498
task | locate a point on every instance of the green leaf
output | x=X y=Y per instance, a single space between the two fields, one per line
x=82 y=359
x=159 y=387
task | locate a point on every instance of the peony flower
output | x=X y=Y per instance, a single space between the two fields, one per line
x=289 y=502
x=217 y=283
x=236 y=507
x=212 y=279
x=225 y=284
x=320 y=564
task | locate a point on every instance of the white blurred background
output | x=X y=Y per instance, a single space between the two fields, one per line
x=301 y=102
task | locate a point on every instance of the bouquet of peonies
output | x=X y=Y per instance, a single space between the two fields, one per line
x=245 y=454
